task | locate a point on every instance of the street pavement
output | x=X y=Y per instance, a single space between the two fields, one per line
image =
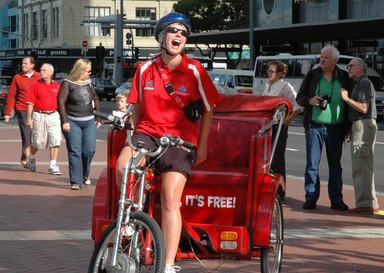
x=45 y=227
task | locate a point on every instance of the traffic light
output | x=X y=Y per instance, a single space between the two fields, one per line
x=137 y=53
x=129 y=38
x=35 y=55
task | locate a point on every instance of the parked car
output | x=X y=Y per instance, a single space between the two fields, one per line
x=104 y=87
x=3 y=102
x=124 y=87
x=5 y=81
x=232 y=81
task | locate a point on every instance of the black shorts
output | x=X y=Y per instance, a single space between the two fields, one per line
x=174 y=159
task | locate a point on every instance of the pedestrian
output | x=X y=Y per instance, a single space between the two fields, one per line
x=77 y=100
x=157 y=111
x=362 y=113
x=43 y=118
x=17 y=97
x=276 y=86
x=121 y=104
x=325 y=122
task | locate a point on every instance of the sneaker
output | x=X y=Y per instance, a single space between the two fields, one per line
x=171 y=269
x=54 y=170
x=75 y=187
x=87 y=182
x=23 y=161
x=309 y=204
x=340 y=205
x=32 y=164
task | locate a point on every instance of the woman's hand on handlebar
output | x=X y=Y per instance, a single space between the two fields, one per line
x=201 y=155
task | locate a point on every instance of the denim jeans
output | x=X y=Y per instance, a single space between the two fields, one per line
x=81 y=147
x=333 y=137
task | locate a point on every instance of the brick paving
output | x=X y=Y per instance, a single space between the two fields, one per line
x=45 y=227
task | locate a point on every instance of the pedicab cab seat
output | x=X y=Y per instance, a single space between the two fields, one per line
x=232 y=188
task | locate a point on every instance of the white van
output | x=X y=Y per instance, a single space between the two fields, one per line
x=232 y=81
x=298 y=67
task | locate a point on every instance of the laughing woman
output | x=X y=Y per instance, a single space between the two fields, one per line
x=157 y=113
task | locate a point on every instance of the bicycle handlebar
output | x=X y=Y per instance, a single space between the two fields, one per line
x=165 y=141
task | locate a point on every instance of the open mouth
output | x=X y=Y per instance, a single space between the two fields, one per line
x=176 y=42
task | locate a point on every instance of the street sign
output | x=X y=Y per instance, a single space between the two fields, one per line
x=84 y=45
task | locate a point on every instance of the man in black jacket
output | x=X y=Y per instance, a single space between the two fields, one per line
x=325 y=122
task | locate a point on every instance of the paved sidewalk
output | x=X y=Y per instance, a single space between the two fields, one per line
x=45 y=227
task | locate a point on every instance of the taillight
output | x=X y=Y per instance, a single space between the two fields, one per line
x=3 y=95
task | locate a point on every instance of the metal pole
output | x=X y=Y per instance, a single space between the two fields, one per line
x=118 y=54
x=251 y=34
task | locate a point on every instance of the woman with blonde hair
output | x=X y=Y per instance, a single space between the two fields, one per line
x=77 y=99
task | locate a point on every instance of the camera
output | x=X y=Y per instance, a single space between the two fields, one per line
x=324 y=103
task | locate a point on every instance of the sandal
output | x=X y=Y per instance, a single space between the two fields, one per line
x=75 y=187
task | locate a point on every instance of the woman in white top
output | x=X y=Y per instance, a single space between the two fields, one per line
x=276 y=86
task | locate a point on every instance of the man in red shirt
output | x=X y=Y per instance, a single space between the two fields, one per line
x=17 y=97
x=44 y=119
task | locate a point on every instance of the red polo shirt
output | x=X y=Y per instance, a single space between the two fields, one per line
x=19 y=90
x=160 y=114
x=43 y=96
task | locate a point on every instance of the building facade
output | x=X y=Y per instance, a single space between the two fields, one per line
x=63 y=30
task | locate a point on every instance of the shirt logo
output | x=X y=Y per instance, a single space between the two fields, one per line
x=149 y=85
x=182 y=91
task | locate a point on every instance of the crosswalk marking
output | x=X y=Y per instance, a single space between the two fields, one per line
x=297 y=234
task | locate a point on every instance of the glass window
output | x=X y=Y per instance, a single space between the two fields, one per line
x=26 y=25
x=35 y=25
x=230 y=82
x=243 y=81
x=44 y=23
x=223 y=79
x=145 y=14
x=262 y=68
x=91 y=13
x=12 y=24
x=55 y=22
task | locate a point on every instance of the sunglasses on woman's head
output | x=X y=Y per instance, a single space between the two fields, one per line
x=175 y=30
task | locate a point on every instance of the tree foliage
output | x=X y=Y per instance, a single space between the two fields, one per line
x=214 y=14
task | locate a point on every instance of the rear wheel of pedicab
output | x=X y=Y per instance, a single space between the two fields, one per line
x=148 y=256
x=271 y=256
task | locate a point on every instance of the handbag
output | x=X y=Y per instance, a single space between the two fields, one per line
x=194 y=110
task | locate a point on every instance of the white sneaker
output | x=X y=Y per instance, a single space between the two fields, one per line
x=54 y=170
x=171 y=269
x=32 y=164
x=87 y=182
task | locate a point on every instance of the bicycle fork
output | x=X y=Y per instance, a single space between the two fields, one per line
x=129 y=178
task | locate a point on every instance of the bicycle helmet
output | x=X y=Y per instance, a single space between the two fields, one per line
x=169 y=19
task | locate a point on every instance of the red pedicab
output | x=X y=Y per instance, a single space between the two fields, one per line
x=230 y=205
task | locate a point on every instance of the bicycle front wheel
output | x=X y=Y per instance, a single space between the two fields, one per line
x=141 y=248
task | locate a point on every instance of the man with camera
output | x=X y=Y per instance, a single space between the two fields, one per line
x=325 y=122
x=362 y=113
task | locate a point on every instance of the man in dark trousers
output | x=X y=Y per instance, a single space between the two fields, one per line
x=17 y=97
x=325 y=122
